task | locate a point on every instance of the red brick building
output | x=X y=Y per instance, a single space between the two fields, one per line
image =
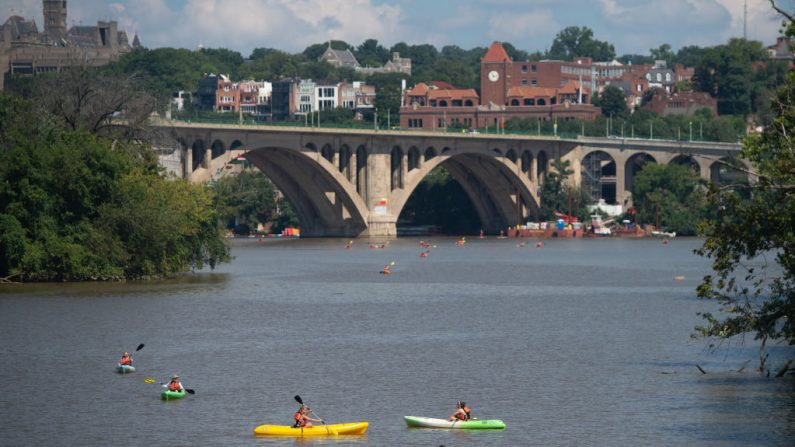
x=681 y=103
x=508 y=89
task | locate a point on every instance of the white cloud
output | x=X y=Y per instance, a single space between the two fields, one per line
x=519 y=28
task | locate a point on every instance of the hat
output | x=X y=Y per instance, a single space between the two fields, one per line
x=175 y=377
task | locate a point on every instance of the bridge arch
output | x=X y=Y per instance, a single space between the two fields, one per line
x=396 y=163
x=414 y=158
x=361 y=170
x=598 y=176
x=501 y=195
x=217 y=149
x=237 y=144
x=727 y=170
x=511 y=155
x=345 y=161
x=633 y=166
x=686 y=160
x=527 y=163
x=430 y=153
x=198 y=152
x=326 y=204
x=328 y=152
x=542 y=166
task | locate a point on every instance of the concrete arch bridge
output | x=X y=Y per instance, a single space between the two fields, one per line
x=351 y=182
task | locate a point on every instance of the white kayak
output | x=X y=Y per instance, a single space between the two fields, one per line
x=476 y=424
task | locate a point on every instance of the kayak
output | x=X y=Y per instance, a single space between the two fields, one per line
x=172 y=395
x=350 y=428
x=124 y=369
x=478 y=424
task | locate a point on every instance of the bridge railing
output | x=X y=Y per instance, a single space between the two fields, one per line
x=539 y=132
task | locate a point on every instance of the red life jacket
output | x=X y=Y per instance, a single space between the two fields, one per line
x=174 y=386
x=299 y=420
x=126 y=360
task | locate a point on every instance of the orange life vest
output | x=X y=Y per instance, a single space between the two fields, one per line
x=299 y=420
x=174 y=386
x=464 y=417
x=126 y=360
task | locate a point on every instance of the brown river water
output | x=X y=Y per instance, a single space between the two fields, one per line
x=579 y=342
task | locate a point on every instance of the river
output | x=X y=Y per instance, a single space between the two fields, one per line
x=577 y=342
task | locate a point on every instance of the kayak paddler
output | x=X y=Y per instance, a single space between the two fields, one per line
x=175 y=384
x=386 y=270
x=126 y=359
x=302 y=418
x=462 y=412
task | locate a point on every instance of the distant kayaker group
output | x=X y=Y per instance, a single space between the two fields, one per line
x=304 y=419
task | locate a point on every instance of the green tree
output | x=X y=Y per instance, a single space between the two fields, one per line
x=371 y=54
x=669 y=196
x=689 y=55
x=574 y=42
x=663 y=53
x=76 y=206
x=557 y=195
x=244 y=200
x=752 y=221
x=612 y=102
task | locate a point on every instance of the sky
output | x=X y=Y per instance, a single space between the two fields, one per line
x=633 y=26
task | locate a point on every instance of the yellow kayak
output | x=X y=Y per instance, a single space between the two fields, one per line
x=350 y=428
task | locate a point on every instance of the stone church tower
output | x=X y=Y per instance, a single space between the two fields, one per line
x=55 y=19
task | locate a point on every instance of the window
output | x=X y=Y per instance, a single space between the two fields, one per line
x=524 y=81
x=468 y=103
x=533 y=68
x=514 y=102
x=541 y=102
x=667 y=77
x=432 y=103
x=529 y=102
x=443 y=103
x=457 y=103
x=659 y=77
x=524 y=68
x=533 y=82
x=440 y=123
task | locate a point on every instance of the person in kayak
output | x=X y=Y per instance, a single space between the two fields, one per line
x=462 y=412
x=126 y=359
x=175 y=384
x=302 y=418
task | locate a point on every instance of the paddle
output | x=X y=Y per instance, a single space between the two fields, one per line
x=151 y=380
x=328 y=431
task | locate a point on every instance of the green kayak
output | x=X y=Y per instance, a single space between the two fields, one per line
x=416 y=421
x=172 y=395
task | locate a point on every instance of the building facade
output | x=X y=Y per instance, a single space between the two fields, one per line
x=26 y=51
x=344 y=58
x=542 y=90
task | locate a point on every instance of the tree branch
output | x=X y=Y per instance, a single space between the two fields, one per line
x=781 y=11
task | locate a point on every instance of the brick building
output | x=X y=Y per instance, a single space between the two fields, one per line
x=681 y=103
x=537 y=90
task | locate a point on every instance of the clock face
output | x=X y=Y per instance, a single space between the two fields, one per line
x=493 y=76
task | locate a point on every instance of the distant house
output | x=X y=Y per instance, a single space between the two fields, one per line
x=661 y=76
x=340 y=58
x=780 y=50
x=681 y=103
x=344 y=58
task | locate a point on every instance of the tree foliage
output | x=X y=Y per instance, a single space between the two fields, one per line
x=751 y=241
x=612 y=102
x=574 y=42
x=76 y=206
x=670 y=196
x=244 y=200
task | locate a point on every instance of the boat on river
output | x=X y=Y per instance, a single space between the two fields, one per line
x=349 y=428
x=475 y=424
x=125 y=369
x=172 y=395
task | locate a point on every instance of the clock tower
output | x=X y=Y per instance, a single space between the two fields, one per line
x=494 y=71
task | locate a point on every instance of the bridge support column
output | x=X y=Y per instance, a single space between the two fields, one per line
x=208 y=158
x=621 y=193
x=187 y=164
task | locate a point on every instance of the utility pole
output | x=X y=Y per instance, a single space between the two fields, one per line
x=745 y=20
